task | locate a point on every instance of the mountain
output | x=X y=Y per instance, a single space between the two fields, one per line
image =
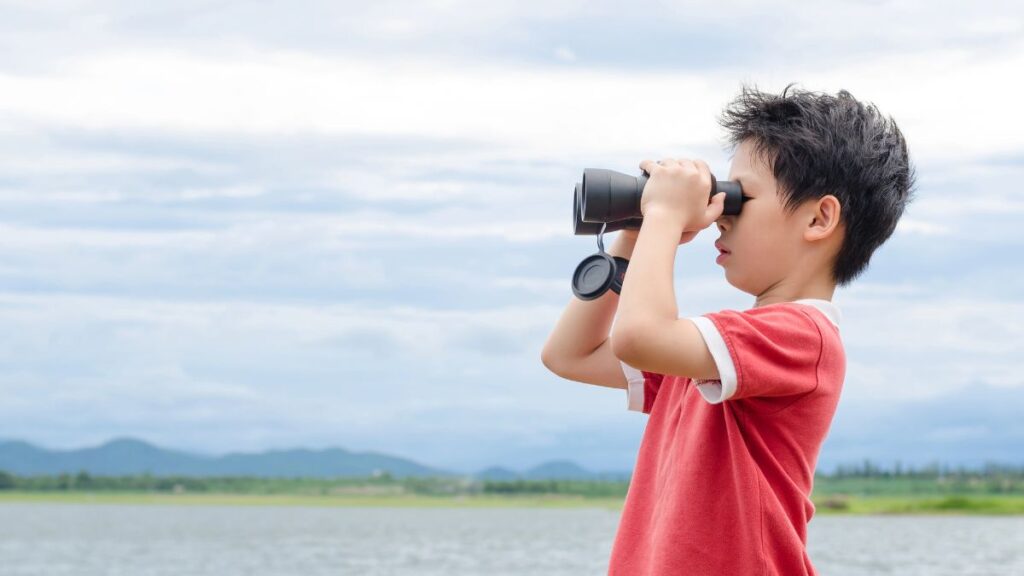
x=568 y=470
x=552 y=470
x=128 y=456
x=557 y=469
x=497 y=473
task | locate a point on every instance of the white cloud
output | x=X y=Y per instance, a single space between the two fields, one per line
x=284 y=92
x=913 y=343
x=543 y=110
x=912 y=226
x=565 y=54
x=419 y=332
x=210 y=161
x=153 y=366
x=538 y=286
x=19 y=159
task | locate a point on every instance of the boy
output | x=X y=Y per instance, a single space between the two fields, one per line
x=739 y=402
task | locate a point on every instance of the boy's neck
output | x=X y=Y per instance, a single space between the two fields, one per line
x=822 y=289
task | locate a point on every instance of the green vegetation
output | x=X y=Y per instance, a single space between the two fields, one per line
x=869 y=480
x=851 y=490
x=867 y=489
x=402 y=501
x=380 y=485
x=920 y=505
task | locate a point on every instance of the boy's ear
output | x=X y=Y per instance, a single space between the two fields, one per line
x=824 y=218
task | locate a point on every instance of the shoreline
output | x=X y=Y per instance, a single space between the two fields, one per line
x=957 y=505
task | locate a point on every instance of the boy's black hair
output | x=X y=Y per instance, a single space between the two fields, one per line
x=817 y=144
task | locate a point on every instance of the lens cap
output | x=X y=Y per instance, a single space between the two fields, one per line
x=594 y=276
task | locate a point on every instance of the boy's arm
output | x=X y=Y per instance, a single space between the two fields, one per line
x=648 y=334
x=601 y=367
x=579 y=347
x=675 y=347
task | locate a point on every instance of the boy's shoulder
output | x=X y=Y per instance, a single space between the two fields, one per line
x=785 y=313
x=756 y=349
x=826 y=308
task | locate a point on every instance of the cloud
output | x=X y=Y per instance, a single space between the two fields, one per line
x=911 y=226
x=259 y=225
x=970 y=426
x=345 y=370
x=536 y=110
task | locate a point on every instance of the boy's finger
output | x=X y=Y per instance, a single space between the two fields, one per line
x=704 y=168
x=716 y=207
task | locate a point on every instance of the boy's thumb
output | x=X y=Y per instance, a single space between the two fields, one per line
x=717 y=205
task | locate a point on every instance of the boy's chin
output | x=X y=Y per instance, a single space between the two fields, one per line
x=740 y=283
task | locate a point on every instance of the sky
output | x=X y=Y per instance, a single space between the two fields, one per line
x=239 y=226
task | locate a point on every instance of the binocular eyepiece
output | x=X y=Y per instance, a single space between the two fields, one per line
x=606 y=201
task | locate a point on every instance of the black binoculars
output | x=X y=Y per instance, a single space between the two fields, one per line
x=607 y=201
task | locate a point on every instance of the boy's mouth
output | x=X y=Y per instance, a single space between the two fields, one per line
x=721 y=248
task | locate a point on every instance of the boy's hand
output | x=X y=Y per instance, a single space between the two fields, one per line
x=681 y=187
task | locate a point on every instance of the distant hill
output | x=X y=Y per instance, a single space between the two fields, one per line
x=497 y=473
x=570 y=471
x=127 y=456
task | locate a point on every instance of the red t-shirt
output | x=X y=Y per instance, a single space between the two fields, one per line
x=725 y=468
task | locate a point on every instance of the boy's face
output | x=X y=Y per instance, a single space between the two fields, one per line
x=764 y=243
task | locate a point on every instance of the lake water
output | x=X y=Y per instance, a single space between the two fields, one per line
x=93 y=540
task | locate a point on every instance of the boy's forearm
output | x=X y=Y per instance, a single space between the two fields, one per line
x=653 y=298
x=584 y=324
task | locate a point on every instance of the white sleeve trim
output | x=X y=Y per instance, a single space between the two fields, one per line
x=716 y=391
x=634 y=388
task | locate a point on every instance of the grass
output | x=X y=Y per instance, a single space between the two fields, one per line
x=830 y=505
x=953 y=504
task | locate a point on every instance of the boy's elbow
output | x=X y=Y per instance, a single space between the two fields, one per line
x=624 y=344
x=545 y=359
x=550 y=361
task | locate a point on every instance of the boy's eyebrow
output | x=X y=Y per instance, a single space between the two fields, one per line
x=740 y=180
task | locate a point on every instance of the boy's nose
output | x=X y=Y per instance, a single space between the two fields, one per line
x=723 y=223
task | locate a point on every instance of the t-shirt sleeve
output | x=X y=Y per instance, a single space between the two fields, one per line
x=642 y=388
x=771 y=351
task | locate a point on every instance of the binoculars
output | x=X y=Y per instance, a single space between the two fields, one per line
x=607 y=201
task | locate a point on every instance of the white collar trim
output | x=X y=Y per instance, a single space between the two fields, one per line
x=830 y=310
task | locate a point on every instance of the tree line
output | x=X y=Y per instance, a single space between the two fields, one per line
x=864 y=478
x=385 y=482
